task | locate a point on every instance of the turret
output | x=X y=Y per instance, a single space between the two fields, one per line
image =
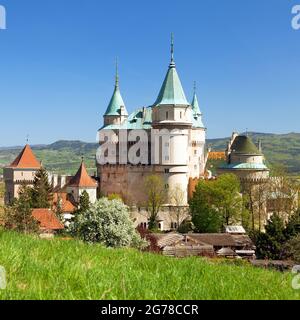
x=116 y=112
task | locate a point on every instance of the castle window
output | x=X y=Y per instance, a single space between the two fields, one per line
x=22 y=173
x=167 y=170
x=195 y=151
x=195 y=167
x=167 y=115
x=167 y=158
x=180 y=115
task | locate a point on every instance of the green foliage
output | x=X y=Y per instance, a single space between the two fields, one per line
x=114 y=196
x=216 y=203
x=42 y=192
x=292 y=249
x=72 y=270
x=156 y=194
x=107 y=222
x=84 y=203
x=293 y=226
x=19 y=216
x=270 y=244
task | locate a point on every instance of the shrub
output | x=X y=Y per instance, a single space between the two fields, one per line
x=107 y=222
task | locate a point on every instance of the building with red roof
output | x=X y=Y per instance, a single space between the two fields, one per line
x=21 y=171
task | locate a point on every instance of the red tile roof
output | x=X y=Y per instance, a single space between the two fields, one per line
x=47 y=219
x=66 y=204
x=82 y=179
x=26 y=160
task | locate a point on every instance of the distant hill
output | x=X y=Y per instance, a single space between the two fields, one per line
x=65 y=156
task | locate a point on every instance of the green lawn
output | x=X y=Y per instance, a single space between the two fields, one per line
x=67 y=269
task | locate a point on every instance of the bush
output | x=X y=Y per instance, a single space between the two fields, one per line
x=107 y=222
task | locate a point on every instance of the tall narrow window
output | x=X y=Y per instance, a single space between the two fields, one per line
x=167 y=115
x=180 y=115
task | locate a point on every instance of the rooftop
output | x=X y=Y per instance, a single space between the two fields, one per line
x=26 y=159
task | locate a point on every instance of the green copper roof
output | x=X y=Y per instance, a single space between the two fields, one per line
x=245 y=166
x=195 y=105
x=171 y=91
x=244 y=145
x=116 y=101
x=139 y=119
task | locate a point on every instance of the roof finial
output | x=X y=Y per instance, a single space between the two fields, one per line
x=117 y=73
x=195 y=87
x=27 y=138
x=172 y=51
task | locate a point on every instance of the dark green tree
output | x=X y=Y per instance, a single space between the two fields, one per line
x=293 y=226
x=270 y=244
x=84 y=203
x=19 y=216
x=42 y=191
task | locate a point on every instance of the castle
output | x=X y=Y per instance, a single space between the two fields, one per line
x=173 y=142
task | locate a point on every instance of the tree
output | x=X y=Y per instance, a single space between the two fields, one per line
x=292 y=249
x=178 y=200
x=84 y=203
x=255 y=194
x=205 y=216
x=19 y=216
x=292 y=228
x=283 y=193
x=216 y=203
x=270 y=244
x=156 y=194
x=107 y=222
x=42 y=191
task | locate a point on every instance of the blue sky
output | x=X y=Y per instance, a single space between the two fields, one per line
x=57 y=63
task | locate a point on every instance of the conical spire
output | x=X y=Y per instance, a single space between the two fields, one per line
x=195 y=104
x=82 y=178
x=26 y=159
x=171 y=92
x=116 y=101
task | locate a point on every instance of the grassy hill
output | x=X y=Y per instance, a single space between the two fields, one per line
x=68 y=269
x=65 y=156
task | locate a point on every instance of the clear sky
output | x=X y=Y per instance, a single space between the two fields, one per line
x=57 y=63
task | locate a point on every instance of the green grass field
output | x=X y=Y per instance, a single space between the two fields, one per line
x=68 y=269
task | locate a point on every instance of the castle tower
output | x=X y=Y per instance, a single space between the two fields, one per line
x=82 y=182
x=244 y=159
x=116 y=112
x=172 y=120
x=21 y=171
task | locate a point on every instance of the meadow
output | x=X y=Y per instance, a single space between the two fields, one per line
x=68 y=269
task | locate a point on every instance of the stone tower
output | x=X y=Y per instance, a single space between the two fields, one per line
x=20 y=172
